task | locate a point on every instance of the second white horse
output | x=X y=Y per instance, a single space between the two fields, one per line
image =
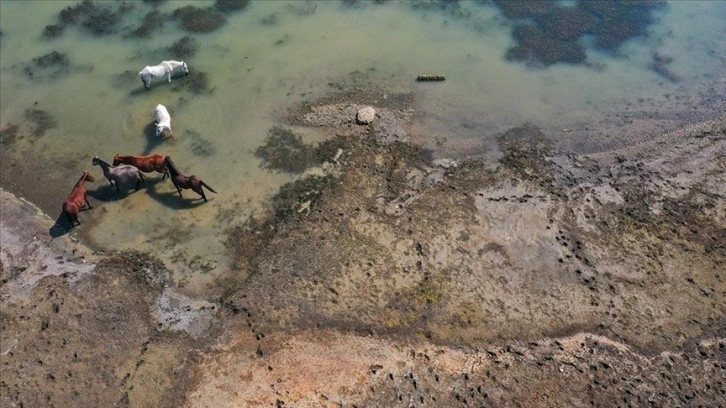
x=163 y=122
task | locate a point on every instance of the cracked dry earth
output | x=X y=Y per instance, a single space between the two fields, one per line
x=387 y=279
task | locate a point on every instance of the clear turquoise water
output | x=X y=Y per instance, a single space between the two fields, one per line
x=257 y=69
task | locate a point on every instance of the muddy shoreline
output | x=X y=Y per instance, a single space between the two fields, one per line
x=388 y=278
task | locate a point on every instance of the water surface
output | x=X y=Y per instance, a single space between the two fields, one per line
x=275 y=54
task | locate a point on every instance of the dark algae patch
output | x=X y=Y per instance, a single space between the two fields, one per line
x=185 y=47
x=101 y=18
x=97 y=19
x=9 y=134
x=285 y=151
x=51 y=65
x=548 y=33
x=199 y=20
x=231 y=5
x=41 y=120
x=152 y=21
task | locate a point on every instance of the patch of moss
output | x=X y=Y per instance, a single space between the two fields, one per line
x=199 y=20
x=536 y=48
x=197 y=82
x=142 y=266
x=72 y=14
x=231 y=5
x=283 y=150
x=53 y=31
x=619 y=21
x=200 y=145
x=9 y=134
x=548 y=33
x=53 y=58
x=99 y=20
x=152 y=21
x=567 y=23
x=270 y=20
x=42 y=121
x=520 y=9
x=185 y=47
x=286 y=203
x=409 y=307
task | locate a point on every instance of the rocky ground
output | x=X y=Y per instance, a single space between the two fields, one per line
x=386 y=278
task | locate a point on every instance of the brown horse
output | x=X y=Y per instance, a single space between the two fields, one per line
x=77 y=200
x=181 y=180
x=147 y=164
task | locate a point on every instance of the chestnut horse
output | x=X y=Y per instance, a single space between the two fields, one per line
x=77 y=200
x=181 y=180
x=147 y=164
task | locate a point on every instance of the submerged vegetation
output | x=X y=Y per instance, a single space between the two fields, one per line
x=104 y=18
x=9 y=134
x=51 y=64
x=185 y=47
x=98 y=20
x=285 y=151
x=548 y=33
x=152 y=21
x=42 y=121
x=545 y=32
x=199 y=20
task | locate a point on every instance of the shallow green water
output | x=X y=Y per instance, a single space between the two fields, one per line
x=274 y=54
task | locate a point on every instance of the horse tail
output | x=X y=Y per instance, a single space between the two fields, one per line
x=207 y=186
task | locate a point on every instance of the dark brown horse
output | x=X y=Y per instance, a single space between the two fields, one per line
x=182 y=181
x=77 y=200
x=147 y=164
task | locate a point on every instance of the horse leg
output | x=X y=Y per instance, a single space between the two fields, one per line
x=198 y=188
x=73 y=219
x=139 y=181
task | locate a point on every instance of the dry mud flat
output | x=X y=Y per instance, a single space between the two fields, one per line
x=387 y=279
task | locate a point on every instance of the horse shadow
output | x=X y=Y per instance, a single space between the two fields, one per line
x=62 y=226
x=171 y=198
x=108 y=193
x=152 y=140
x=138 y=91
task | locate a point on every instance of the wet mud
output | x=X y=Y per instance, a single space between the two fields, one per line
x=386 y=276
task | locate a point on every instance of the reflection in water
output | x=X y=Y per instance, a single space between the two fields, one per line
x=70 y=90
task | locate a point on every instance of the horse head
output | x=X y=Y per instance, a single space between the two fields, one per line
x=173 y=171
x=185 y=68
x=163 y=132
x=88 y=176
x=95 y=161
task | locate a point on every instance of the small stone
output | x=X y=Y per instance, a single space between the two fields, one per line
x=365 y=115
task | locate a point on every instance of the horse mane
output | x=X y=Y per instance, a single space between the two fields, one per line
x=170 y=165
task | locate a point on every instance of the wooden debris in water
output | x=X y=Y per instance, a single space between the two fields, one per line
x=431 y=77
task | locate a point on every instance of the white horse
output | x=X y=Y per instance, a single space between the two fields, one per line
x=164 y=69
x=163 y=122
